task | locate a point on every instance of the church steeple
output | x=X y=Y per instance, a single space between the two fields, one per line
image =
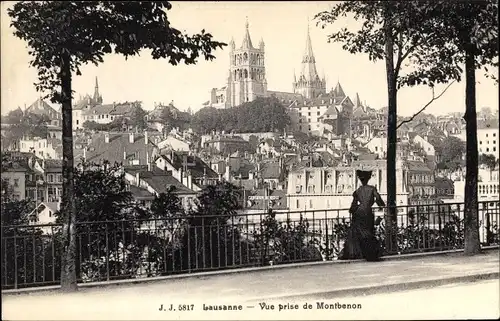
x=308 y=53
x=97 y=96
x=309 y=84
x=247 y=79
x=247 y=41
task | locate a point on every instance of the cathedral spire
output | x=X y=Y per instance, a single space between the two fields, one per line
x=247 y=41
x=357 y=101
x=96 y=89
x=308 y=53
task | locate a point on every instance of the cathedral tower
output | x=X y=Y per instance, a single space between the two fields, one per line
x=309 y=83
x=247 y=77
x=97 y=96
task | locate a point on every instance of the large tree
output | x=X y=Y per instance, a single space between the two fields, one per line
x=469 y=34
x=26 y=125
x=63 y=35
x=451 y=149
x=437 y=38
x=259 y=115
x=398 y=32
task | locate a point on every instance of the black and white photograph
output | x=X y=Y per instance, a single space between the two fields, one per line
x=241 y=160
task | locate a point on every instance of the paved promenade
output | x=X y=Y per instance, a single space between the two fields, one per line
x=319 y=281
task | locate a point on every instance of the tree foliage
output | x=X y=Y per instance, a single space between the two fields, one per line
x=451 y=150
x=27 y=125
x=221 y=200
x=101 y=194
x=62 y=36
x=489 y=160
x=166 y=204
x=87 y=30
x=138 y=118
x=411 y=30
x=260 y=115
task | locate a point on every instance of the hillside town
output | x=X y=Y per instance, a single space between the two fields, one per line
x=140 y=155
x=309 y=164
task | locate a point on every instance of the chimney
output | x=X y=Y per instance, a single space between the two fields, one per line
x=190 y=180
x=131 y=137
x=137 y=179
x=106 y=138
x=227 y=174
x=124 y=155
x=146 y=137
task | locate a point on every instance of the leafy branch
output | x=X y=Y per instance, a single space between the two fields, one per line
x=426 y=105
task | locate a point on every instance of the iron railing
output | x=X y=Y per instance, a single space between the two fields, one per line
x=110 y=250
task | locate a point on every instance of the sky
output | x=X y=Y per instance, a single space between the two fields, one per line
x=282 y=26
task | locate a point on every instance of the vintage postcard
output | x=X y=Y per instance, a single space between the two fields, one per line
x=242 y=160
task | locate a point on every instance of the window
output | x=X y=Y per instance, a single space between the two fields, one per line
x=318 y=113
x=494 y=134
x=59 y=178
x=487 y=149
x=77 y=122
x=308 y=114
x=310 y=189
x=298 y=188
x=298 y=204
x=486 y=135
x=50 y=178
x=16 y=182
x=310 y=204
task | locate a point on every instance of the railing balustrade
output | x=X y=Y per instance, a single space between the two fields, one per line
x=111 y=250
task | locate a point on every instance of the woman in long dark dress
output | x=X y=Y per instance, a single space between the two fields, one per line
x=361 y=241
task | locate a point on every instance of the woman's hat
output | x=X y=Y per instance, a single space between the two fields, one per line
x=363 y=174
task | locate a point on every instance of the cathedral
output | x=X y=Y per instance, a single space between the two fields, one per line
x=246 y=81
x=247 y=76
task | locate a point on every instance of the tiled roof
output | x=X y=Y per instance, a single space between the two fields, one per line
x=270 y=170
x=140 y=193
x=158 y=179
x=332 y=111
x=40 y=107
x=417 y=166
x=123 y=109
x=199 y=167
x=244 y=170
x=101 y=109
x=118 y=144
x=53 y=164
x=161 y=183
x=443 y=183
x=487 y=124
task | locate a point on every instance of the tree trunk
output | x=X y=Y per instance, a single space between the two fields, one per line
x=472 y=245
x=390 y=217
x=68 y=268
